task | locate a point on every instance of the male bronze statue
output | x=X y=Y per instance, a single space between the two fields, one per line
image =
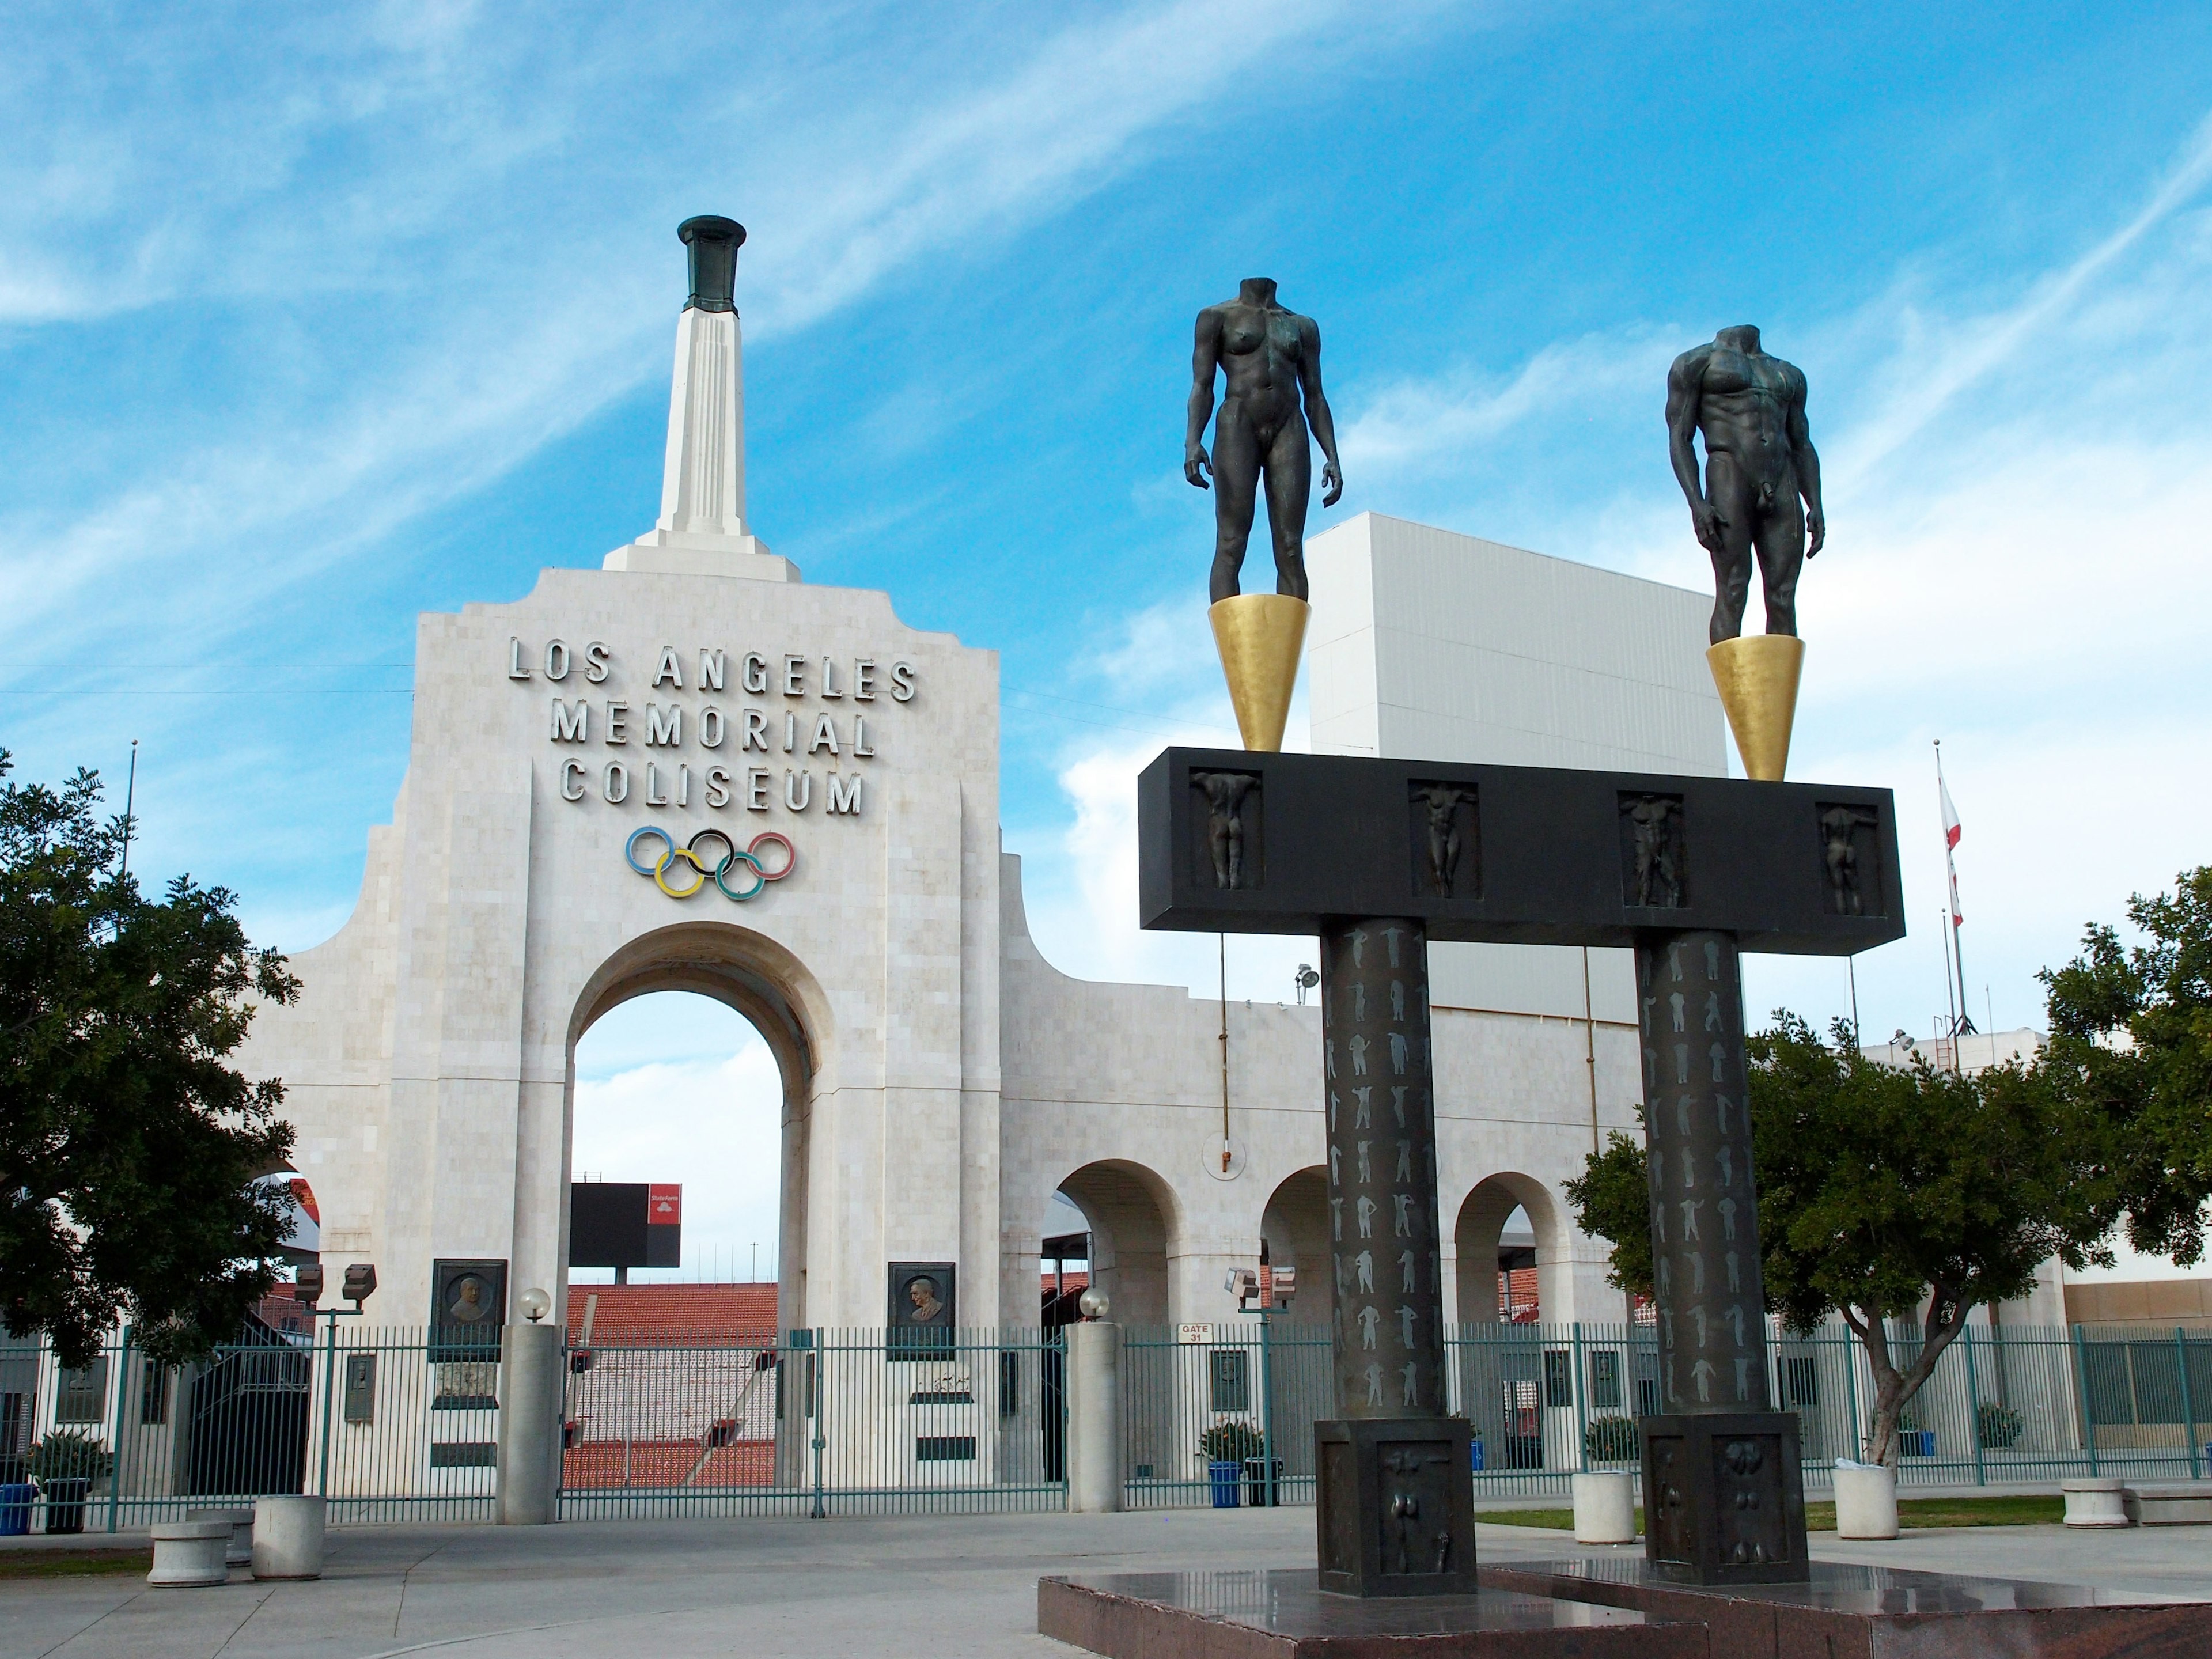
x=1759 y=462
x=1272 y=359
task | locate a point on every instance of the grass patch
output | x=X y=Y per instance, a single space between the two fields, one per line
x=2011 y=1510
x=73 y=1564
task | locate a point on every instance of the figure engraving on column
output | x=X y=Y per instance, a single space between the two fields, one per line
x=1369 y=1319
x=1405 y=1201
x=1397 y=1054
x=1655 y=823
x=1760 y=465
x=1407 y=1266
x=1329 y=1055
x=1405 y=1161
x=1367 y=1207
x=1712 y=959
x=1689 y=1169
x=1839 y=829
x=1405 y=1317
x=1682 y=1106
x=1333 y=1104
x=1681 y=1063
x=1722 y=1102
x=1713 y=1022
x=1365 y=1173
x=1374 y=1385
x=1409 y=1379
x=1365 y=1261
x=1336 y=1217
x=1705 y=1370
x=1727 y=1219
x=1678 y=1003
x=1446 y=841
x=1665 y=1277
x=1357 y=1047
x=1359 y=938
x=1272 y=410
x=1690 y=1209
x=1697 y=1275
x=1727 y=1157
x=1363 y=1110
x=1735 y=1278
x=1397 y=1000
x=1226 y=794
x=1359 y=999
x=1718 y=1054
x=1698 y=1313
x=1393 y=935
x=1398 y=1103
x=1335 y=1160
x=1735 y=1318
x=1742 y=1377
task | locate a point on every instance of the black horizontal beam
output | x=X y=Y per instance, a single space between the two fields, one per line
x=1544 y=855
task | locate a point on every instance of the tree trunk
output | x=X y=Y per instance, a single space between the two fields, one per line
x=1893 y=1389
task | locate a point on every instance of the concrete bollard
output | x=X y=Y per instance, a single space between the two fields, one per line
x=2096 y=1501
x=190 y=1552
x=1605 y=1508
x=240 y=1522
x=287 y=1537
x=1094 y=1418
x=529 y=1424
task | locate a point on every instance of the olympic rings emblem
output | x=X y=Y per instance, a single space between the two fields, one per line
x=747 y=860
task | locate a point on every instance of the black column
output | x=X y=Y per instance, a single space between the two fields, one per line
x=1705 y=1218
x=1724 y=1496
x=1395 y=1509
x=1382 y=1169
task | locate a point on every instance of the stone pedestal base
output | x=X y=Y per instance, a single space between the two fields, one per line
x=1724 y=1499
x=1395 y=1506
x=1867 y=1612
x=1282 y=1615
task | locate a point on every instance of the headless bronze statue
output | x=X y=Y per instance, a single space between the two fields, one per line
x=1271 y=358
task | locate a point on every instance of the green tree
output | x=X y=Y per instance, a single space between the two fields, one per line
x=128 y=1149
x=1881 y=1189
x=2131 y=1040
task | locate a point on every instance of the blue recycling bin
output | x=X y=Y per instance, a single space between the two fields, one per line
x=16 y=1503
x=1227 y=1477
x=1475 y=1452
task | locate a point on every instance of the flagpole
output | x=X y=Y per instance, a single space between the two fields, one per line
x=1965 y=1022
x=129 y=800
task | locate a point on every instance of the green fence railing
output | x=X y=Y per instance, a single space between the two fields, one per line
x=394 y=1424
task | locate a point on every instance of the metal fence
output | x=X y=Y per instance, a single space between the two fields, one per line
x=397 y=1425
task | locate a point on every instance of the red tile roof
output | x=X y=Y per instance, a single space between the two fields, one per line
x=662 y=1313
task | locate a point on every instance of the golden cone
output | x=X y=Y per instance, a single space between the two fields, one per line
x=1258 y=636
x=1757 y=676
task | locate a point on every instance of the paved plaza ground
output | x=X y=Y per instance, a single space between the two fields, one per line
x=922 y=1585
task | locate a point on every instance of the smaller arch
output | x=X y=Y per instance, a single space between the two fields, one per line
x=1134 y=1217
x=1482 y=1216
x=1294 y=1226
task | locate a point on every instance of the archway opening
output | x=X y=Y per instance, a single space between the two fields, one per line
x=1128 y=1211
x=690 y=1073
x=1294 y=1240
x=1517 y=1391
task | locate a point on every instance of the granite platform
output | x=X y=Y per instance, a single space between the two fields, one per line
x=1852 y=1612
x=1281 y=1615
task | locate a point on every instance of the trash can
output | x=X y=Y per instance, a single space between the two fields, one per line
x=65 y=1504
x=1263 y=1481
x=16 y=1501
x=1475 y=1454
x=1226 y=1477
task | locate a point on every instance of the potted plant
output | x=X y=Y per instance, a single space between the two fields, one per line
x=65 y=1464
x=1610 y=1440
x=1226 y=1447
x=1998 y=1427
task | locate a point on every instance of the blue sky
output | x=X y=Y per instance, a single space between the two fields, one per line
x=311 y=322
